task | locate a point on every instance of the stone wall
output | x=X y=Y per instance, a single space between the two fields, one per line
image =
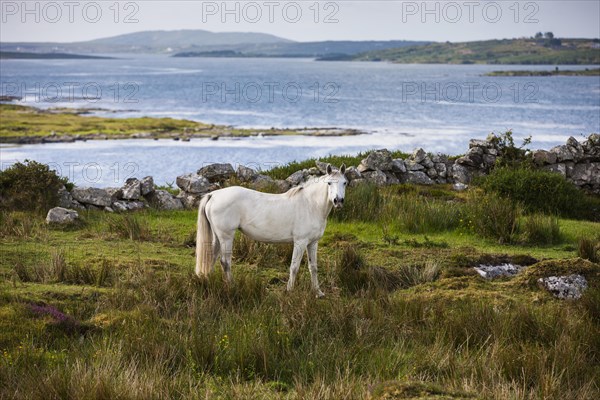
x=577 y=162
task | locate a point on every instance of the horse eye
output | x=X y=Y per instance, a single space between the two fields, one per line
x=329 y=183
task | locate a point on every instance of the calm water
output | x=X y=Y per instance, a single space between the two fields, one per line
x=438 y=107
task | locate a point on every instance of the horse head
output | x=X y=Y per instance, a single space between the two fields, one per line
x=336 y=185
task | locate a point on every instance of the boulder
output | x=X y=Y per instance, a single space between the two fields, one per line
x=460 y=187
x=591 y=147
x=377 y=160
x=282 y=185
x=417 y=177
x=398 y=166
x=562 y=153
x=193 y=183
x=61 y=216
x=575 y=148
x=217 y=172
x=65 y=200
x=543 y=157
x=461 y=173
x=296 y=178
x=93 y=196
x=565 y=287
x=132 y=190
x=376 y=177
x=189 y=201
x=147 y=185
x=427 y=163
x=262 y=182
x=322 y=167
x=585 y=174
x=163 y=200
x=391 y=178
x=357 y=182
x=559 y=168
x=352 y=173
x=413 y=166
x=495 y=271
x=115 y=193
x=122 y=205
x=432 y=173
x=418 y=155
x=441 y=169
x=246 y=174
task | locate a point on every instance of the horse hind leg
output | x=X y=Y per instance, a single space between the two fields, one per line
x=225 y=242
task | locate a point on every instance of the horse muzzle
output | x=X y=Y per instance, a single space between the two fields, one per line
x=338 y=203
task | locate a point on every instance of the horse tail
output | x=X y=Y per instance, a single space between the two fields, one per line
x=204 y=241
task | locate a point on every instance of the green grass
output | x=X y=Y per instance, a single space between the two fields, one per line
x=505 y=51
x=402 y=318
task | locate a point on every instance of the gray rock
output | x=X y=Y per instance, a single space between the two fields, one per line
x=377 y=160
x=560 y=168
x=193 y=183
x=586 y=174
x=441 y=169
x=93 y=196
x=352 y=173
x=163 y=200
x=132 y=190
x=591 y=147
x=122 y=205
x=543 y=157
x=65 y=200
x=439 y=158
x=357 y=182
x=296 y=178
x=495 y=271
x=427 y=163
x=391 y=178
x=190 y=201
x=418 y=155
x=565 y=287
x=314 y=171
x=246 y=174
x=417 y=177
x=473 y=158
x=262 y=182
x=432 y=173
x=282 y=185
x=147 y=185
x=61 y=216
x=115 y=193
x=460 y=187
x=321 y=166
x=413 y=166
x=217 y=172
x=377 y=177
x=398 y=166
x=489 y=160
x=478 y=143
x=575 y=148
x=562 y=153
x=461 y=174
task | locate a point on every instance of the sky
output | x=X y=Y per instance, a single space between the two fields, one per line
x=301 y=20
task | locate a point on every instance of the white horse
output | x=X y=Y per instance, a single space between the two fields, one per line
x=298 y=216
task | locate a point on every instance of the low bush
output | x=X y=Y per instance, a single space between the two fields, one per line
x=30 y=186
x=539 y=229
x=493 y=216
x=589 y=249
x=542 y=191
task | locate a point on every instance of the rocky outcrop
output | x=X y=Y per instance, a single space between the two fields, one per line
x=163 y=200
x=565 y=287
x=93 y=196
x=61 y=216
x=496 y=271
x=217 y=172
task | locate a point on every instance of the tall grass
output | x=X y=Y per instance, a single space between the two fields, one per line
x=494 y=217
x=129 y=226
x=539 y=229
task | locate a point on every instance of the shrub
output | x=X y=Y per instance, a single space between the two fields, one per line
x=541 y=229
x=30 y=186
x=540 y=191
x=510 y=155
x=493 y=216
x=589 y=249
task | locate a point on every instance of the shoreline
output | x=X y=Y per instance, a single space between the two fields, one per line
x=48 y=126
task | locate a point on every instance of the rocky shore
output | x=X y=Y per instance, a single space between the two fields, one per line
x=578 y=162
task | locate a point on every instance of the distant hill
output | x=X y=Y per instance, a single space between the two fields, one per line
x=10 y=55
x=506 y=51
x=301 y=49
x=152 y=42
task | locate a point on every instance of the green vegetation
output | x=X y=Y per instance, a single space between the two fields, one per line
x=29 y=186
x=23 y=124
x=506 y=51
x=542 y=191
x=555 y=72
x=110 y=307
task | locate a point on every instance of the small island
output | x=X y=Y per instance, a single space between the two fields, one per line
x=18 y=55
x=555 y=72
x=29 y=125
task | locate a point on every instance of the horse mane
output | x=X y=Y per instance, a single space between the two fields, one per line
x=294 y=191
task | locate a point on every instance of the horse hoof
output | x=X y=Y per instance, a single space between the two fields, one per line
x=320 y=295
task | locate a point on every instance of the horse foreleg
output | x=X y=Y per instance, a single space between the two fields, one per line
x=299 y=249
x=312 y=265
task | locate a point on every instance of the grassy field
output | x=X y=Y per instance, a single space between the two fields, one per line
x=110 y=308
x=23 y=124
x=506 y=51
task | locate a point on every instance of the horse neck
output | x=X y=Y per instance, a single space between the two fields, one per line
x=317 y=195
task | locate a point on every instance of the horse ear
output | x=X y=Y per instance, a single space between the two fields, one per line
x=343 y=169
x=329 y=169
